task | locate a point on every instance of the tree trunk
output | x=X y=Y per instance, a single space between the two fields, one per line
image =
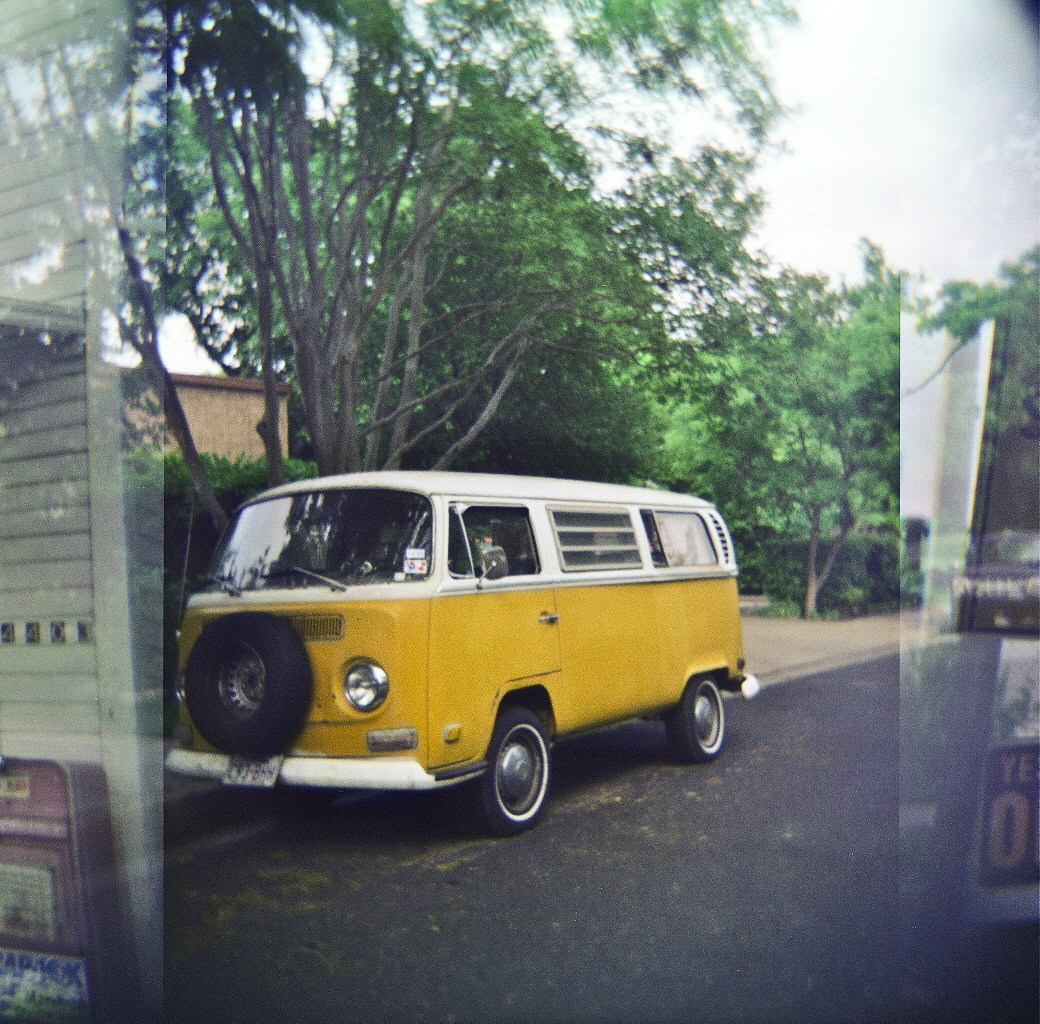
x=814 y=580
x=269 y=428
x=178 y=425
x=812 y=583
x=160 y=379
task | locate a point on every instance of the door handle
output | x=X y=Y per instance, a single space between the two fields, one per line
x=548 y=618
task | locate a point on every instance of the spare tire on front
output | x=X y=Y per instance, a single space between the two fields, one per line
x=248 y=684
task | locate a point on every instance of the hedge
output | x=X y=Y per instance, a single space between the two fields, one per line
x=189 y=538
x=864 y=580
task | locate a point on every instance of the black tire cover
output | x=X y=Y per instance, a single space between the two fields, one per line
x=248 y=684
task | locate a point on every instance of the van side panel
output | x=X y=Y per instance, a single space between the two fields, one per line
x=610 y=653
x=698 y=622
x=483 y=644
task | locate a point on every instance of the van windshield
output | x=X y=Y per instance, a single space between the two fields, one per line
x=335 y=538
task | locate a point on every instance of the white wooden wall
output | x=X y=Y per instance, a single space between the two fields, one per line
x=48 y=663
x=71 y=688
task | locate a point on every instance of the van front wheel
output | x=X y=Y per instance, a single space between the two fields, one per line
x=696 y=726
x=511 y=793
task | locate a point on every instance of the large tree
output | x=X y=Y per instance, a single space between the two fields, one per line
x=795 y=426
x=409 y=193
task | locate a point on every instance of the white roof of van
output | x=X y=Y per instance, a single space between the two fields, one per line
x=492 y=485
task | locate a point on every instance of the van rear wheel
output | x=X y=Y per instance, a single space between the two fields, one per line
x=696 y=726
x=511 y=794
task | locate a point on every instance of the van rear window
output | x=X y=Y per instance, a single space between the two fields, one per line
x=679 y=539
x=595 y=540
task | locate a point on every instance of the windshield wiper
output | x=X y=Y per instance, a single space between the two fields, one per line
x=227 y=584
x=327 y=580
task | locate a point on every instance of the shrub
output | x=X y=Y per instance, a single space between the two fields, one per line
x=189 y=538
x=864 y=580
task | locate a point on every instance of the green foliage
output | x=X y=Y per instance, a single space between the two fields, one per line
x=689 y=226
x=572 y=418
x=790 y=423
x=400 y=238
x=864 y=580
x=188 y=537
x=962 y=307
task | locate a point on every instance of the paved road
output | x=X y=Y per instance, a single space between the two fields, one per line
x=762 y=887
x=780 y=649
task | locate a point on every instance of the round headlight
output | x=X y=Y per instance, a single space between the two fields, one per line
x=365 y=686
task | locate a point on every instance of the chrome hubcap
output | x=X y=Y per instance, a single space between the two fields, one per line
x=705 y=715
x=240 y=682
x=518 y=774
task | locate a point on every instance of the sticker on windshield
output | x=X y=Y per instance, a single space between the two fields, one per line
x=415 y=562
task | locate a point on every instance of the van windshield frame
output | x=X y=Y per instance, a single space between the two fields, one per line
x=334 y=537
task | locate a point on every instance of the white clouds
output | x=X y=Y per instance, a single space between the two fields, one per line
x=915 y=124
x=911 y=126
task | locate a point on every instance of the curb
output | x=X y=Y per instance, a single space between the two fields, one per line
x=810 y=668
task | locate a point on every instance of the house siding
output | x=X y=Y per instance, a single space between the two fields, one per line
x=47 y=659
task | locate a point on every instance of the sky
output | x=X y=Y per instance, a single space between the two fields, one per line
x=913 y=123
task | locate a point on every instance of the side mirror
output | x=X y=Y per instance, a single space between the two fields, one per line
x=493 y=564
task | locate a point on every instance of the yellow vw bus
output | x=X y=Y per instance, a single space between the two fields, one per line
x=414 y=630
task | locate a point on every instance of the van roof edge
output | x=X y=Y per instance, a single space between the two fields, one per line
x=493 y=485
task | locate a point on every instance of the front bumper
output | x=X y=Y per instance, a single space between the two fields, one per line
x=383 y=773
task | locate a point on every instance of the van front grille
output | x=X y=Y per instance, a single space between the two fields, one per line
x=318 y=627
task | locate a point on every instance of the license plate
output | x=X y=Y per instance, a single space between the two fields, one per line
x=14 y=786
x=1010 y=826
x=257 y=774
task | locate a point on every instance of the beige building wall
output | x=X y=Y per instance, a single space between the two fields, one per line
x=223 y=413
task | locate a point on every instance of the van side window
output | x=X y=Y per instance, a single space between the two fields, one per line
x=491 y=533
x=459 y=561
x=657 y=554
x=684 y=539
x=595 y=540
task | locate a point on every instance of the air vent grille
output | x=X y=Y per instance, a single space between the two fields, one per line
x=723 y=538
x=318 y=627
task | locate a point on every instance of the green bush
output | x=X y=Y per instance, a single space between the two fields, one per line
x=864 y=580
x=189 y=538
x=748 y=545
